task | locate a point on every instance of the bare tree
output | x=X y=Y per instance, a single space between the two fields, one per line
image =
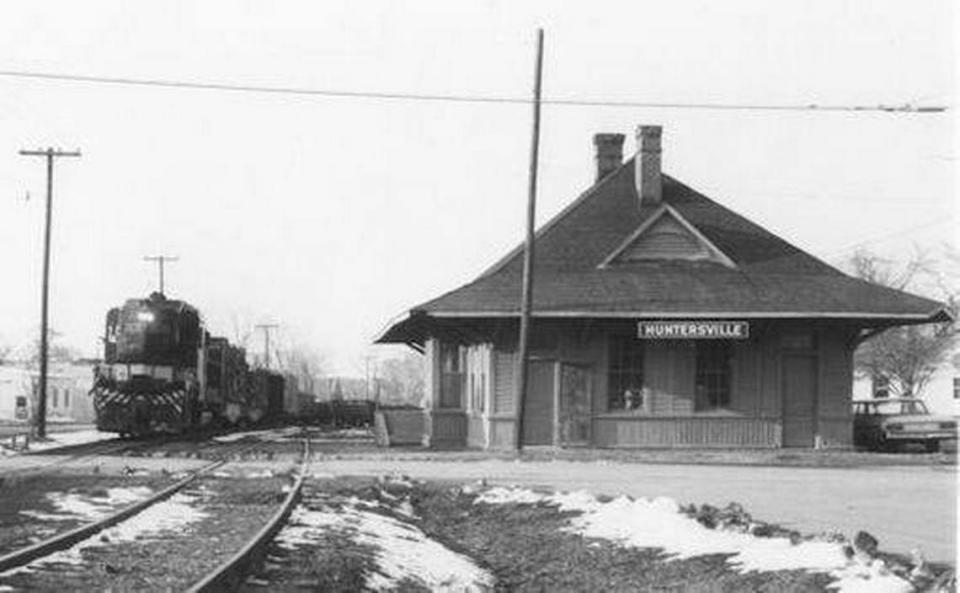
x=55 y=352
x=305 y=364
x=907 y=357
x=242 y=330
x=402 y=379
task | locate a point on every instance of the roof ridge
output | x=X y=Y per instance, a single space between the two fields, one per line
x=505 y=260
x=768 y=235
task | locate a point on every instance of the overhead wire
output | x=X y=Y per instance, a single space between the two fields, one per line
x=890 y=235
x=458 y=97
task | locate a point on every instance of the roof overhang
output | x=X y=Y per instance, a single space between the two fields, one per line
x=938 y=316
x=415 y=327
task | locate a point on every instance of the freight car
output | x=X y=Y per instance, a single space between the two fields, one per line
x=162 y=372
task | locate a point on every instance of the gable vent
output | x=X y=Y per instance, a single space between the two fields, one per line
x=667 y=236
x=668 y=239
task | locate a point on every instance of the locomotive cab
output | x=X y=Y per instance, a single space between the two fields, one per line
x=148 y=381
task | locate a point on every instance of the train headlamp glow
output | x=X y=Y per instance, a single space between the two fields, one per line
x=145 y=316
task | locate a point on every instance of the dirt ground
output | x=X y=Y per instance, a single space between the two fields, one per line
x=904 y=507
x=906 y=501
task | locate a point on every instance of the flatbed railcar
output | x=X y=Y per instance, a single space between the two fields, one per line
x=162 y=372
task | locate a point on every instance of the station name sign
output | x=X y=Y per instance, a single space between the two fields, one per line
x=693 y=330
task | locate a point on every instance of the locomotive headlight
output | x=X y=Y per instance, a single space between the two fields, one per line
x=145 y=316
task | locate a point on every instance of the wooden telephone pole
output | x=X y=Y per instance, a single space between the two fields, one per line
x=526 y=301
x=49 y=154
x=160 y=259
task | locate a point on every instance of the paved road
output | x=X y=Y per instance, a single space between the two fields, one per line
x=904 y=507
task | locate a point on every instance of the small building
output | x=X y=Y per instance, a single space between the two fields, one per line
x=660 y=319
x=68 y=387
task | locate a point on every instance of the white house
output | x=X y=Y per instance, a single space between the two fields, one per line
x=67 y=388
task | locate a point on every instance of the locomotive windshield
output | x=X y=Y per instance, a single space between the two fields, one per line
x=153 y=331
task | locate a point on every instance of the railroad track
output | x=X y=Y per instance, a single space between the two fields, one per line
x=227 y=576
x=202 y=446
x=41 y=560
x=45 y=461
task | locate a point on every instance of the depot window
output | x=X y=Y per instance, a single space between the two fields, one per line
x=625 y=374
x=713 y=375
x=452 y=377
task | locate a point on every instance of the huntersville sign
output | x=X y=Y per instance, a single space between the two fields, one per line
x=693 y=330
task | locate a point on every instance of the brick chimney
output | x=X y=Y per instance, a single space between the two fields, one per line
x=609 y=153
x=647 y=163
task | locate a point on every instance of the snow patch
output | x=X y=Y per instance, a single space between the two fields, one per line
x=171 y=515
x=73 y=505
x=658 y=523
x=62 y=439
x=403 y=551
x=273 y=434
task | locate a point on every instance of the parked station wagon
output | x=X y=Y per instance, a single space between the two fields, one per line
x=888 y=424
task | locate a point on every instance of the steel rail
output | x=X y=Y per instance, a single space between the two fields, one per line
x=101 y=449
x=228 y=575
x=69 y=538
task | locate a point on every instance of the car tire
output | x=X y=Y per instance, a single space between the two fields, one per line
x=885 y=446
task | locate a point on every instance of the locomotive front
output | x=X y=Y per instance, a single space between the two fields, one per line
x=148 y=381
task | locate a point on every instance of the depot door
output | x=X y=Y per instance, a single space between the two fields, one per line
x=799 y=376
x=575 y=414
x=539 y=404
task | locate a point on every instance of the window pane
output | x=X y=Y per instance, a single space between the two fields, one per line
x=713 y=375
x=625 y=373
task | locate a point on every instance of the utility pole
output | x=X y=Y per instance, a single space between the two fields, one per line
x=160 y=259
x=266 y=327
x=49 y=154
x=526 y=301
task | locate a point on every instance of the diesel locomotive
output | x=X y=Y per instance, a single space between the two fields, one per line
x=162 y=372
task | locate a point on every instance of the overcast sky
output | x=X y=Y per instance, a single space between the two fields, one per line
x=330 y=216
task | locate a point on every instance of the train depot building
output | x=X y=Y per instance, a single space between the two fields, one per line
x=660 y=319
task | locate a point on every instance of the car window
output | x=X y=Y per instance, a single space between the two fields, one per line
x=895 y=407
x=914 y=407
x=888 y=408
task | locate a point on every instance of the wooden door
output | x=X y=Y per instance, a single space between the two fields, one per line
x=538 y=406
x=575 y=413
x=799 y=376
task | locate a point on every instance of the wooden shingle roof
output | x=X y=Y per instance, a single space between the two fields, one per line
x=769 y=279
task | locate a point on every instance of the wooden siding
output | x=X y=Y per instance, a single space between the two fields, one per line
x=502 y=433
x=476 y=431
x=504 y=379
x=447 y=428
x=689 y=431
x=431 y=378
x=399 y=427
x=666 y=239
x=836 y=377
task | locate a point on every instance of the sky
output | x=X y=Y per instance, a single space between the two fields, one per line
x=330 y=216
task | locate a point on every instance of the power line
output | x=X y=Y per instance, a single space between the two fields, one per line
x=463 y=98
x=884 y=236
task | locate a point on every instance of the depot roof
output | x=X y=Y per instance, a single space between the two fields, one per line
x=590 y=263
